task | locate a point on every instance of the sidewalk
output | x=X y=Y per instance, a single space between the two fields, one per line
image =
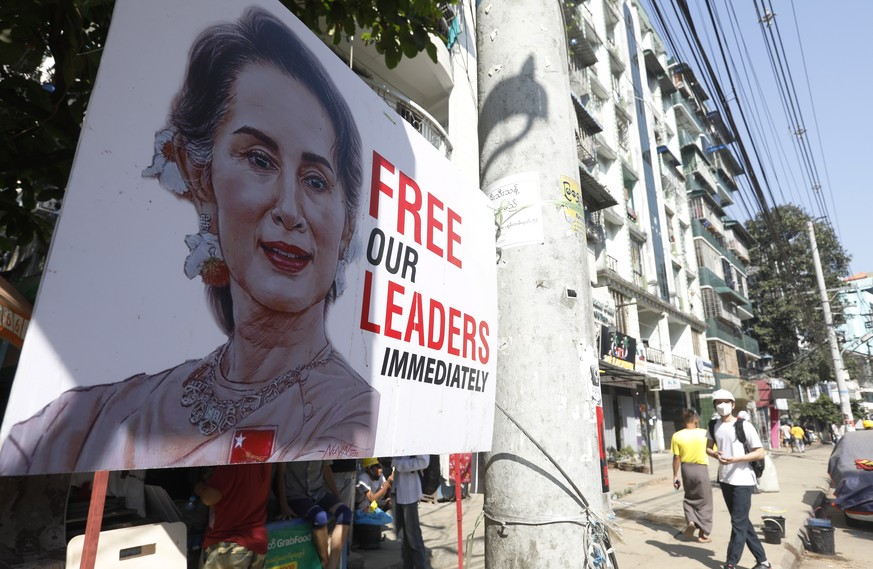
x=653 y=515
x=649 y=514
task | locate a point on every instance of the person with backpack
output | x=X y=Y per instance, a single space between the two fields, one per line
x=736 y=444
x=407 y=493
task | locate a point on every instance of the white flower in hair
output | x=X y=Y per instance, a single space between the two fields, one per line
x=164 y=166
x=204 y=247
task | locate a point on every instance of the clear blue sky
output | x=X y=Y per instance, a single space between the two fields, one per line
x=835 y=40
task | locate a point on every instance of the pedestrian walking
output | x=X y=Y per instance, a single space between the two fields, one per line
x=736 y=478
x=797 y=436
x=689 y=455
x=785 y=433
x=407 y=495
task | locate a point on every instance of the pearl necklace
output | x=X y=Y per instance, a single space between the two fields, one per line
x=211 y=414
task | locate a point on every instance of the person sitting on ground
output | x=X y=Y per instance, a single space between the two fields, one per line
x=689 y=454
x=307 y=489
x=372 y=486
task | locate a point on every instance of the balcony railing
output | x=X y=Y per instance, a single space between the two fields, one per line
x=681 y=363
x=707 y=217
x=739 y=248
x=419 y=118
x=701 y=171
x=612 y=264
x=639 y=279
x=593 y=226
x=585 y=150
x=655 y=356
x=670 y=181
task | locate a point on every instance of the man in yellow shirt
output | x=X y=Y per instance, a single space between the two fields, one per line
x=797 y=435
x=689 y=454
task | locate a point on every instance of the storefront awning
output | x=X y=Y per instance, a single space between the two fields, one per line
x=620 y=373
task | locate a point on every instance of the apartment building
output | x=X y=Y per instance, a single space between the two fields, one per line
x=856 y=335
x=646 y=293
x=720 y=242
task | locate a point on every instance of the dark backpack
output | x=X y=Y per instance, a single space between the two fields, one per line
x=430 y=476
x=757 y=465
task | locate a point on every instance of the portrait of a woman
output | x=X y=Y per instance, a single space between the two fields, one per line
x=261 y=142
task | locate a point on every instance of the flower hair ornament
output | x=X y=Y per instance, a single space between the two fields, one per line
x=204 y=257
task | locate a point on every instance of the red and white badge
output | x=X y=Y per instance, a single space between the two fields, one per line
x=251 y=445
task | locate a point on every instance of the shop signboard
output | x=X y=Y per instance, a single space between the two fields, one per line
x=257 y=260
x=603 y=307
x=617 y=349
x=702 y=372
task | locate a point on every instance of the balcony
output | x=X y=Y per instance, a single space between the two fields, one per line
x=587 y=113
x=639 y=279
x=582 y=42
x=716 y=241
x=680 y=363
x=593 y=226
x=707 y=218
x=686 y=115
x=585 y=150
x=700 y=170
x=416 y=116
x=655 y=356
x=739 y=249
x=670 y=181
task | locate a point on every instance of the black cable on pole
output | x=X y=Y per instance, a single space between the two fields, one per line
x=762 y=200
x=805 y=153
x=775 y=140
x=815 y=119
x=787 y=108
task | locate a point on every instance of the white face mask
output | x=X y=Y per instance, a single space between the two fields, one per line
x=724 y=409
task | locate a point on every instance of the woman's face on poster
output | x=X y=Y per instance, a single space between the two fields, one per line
x=280 y=207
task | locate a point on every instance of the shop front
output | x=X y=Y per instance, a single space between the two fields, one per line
x=626 y=409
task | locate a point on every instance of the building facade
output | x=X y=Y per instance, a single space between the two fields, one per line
x=856 y=299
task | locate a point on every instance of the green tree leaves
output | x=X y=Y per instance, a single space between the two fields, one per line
x=789 y=323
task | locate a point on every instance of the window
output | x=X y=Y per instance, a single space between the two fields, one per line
x=637 y=263
x=695 y=342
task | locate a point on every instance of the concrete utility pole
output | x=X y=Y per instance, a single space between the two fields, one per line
x=546 y=333
x=839 y=368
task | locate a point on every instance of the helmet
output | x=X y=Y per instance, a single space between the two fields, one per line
x=722 y=394
x=368 y=462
